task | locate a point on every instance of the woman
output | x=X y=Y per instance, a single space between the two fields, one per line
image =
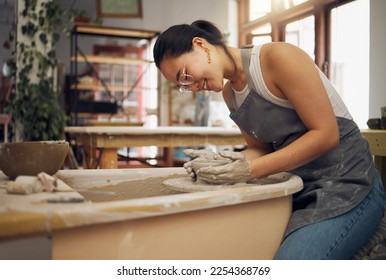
x=292 y=120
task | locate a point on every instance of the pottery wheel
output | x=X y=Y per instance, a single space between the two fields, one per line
x=185 y=184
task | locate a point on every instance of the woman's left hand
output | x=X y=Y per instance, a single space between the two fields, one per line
x=237 y=171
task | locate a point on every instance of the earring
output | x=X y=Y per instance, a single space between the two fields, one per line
x=208 y=54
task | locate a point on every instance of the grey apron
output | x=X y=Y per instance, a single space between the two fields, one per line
x=335 y=182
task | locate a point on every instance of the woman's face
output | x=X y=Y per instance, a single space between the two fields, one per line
x=196 y=72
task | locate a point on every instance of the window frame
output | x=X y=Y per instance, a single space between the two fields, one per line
x=279 y=18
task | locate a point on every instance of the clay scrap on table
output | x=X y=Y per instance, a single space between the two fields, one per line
x=36 y=184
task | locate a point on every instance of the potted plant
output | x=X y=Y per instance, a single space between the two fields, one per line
x=35 y=105
x=36 y=111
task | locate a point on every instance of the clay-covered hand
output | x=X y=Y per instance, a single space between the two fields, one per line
x=203 y=154
x=236 y=171
x=198 y=155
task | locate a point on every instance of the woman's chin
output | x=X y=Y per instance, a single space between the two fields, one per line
x=216 y=89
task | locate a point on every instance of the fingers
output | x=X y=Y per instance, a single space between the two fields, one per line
x=221 y=179
x=216 y=170
x=206 y=154
x=215 y=175
x=190 y=152
x=223 y=174
x=200 y=153
x=188 y=167
x=232 y=155
x=234 y=172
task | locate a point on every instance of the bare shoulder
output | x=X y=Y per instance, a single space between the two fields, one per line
x=280 y=48
x=280 y=52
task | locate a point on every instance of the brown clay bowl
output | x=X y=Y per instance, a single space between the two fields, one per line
x=374 y=123
x=31 y=158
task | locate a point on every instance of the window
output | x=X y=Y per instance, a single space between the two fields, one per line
x=327 y=30
x=262 y=35
x=349 y=63
x=259 y=8
x=301 y=33
x=291 y=3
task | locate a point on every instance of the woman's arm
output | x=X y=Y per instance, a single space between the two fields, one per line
x=289 y=73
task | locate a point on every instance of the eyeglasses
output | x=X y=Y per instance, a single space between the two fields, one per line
x=185 y=80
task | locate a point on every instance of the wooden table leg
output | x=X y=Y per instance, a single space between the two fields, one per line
x=169 y=156
x=109 y=158
x=89 y=160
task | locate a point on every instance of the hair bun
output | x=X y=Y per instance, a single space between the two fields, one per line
x=208 y=27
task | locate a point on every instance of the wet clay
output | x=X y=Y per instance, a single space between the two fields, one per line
x=185 y=184
x=131 y=189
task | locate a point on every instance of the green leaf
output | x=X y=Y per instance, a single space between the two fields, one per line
x=43 y=38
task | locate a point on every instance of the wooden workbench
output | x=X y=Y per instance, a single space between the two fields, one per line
x=111 y=138
x=377 y=141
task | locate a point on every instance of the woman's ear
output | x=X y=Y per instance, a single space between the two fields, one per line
x=199 y=42
x=202 y=45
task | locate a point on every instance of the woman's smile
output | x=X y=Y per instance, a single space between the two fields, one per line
x=205 y=85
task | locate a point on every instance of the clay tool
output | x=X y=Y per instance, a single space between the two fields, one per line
x=93 y=191
x=66 y=200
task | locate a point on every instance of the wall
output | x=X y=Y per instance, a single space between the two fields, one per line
x=377 y=57
x=159 y=15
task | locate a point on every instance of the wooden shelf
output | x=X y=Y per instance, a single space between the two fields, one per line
x=115 y=68
x=93 y=87
x=111 y=60
x=113 y=123
x=99 y=30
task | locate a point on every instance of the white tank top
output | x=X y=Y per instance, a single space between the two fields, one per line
x=338 y=105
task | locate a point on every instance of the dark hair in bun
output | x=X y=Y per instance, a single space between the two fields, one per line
x=177 y=39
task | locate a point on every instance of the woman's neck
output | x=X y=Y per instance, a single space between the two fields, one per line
x=236 y=76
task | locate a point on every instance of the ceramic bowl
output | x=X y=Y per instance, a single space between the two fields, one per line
x=374 y=123
x=31 y=158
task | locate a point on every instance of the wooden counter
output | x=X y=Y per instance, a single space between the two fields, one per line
x=110 y=138
x=377 y=141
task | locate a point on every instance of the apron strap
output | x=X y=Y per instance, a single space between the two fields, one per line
x=245 y=57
